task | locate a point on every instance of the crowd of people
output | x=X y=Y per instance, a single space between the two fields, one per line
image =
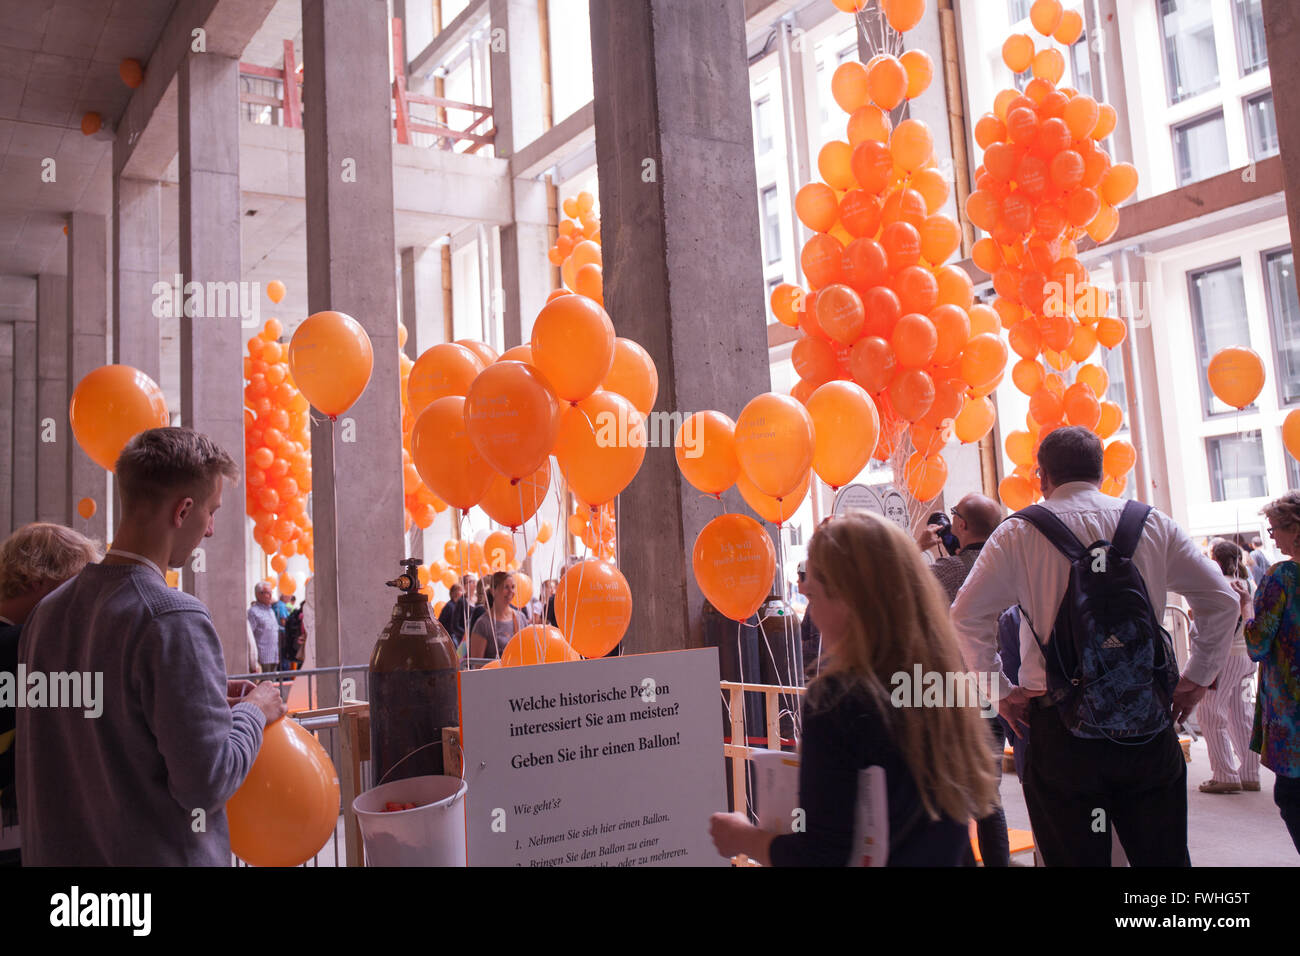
x=1060 y=607
x=1029 y=601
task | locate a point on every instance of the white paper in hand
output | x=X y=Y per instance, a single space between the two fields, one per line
x=871 y=820
x=776 y=775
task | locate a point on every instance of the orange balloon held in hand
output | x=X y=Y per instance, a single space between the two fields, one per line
x=593 y=607
x=446 y=458
x=110 y=406
x=513 y=417
x=446 y=369
x=288 y=805
x=705 y=448
x=846 y=427
x=734 y=564
x=1236 y=376
x=330 y=359
x=573 y=346
x=774 y=443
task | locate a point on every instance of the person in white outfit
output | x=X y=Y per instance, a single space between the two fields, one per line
x=1227 y=710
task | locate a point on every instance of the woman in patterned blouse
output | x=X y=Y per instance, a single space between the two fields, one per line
x=1273 y=639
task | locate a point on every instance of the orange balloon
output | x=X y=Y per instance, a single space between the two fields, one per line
x=846 y=428
x=887 y=80
x=776 y=510
x=734 y=563
x=822 y=260
x=868 y=122
x=633 y=375
x=499 y=549
x=1016 y=492
x=593 y=606
x=835 y=164
x=275 y=291
x=1070 y=28
x=872 y=363
x=513 y=416
x=600 y=446
x=1112 y=416
x=446 y=457
x=1110 y=332
x=904 y=14
x=925 y=477
x=1081 y=406
x=445 y=369
x=330 y=359
x=975 y=420
x=920 y=71
x=1018 y=52
x=86 y=507
x=705 y=448
x=110 y=406
x=1236 y=375
x=914 y=340
x=486 y=353
x=1291 y=433
x=286 y=584
x=912 y=394
x=1049 y=65
x=1020 y=448
x=1045 y=15
x=573 y=346
x=1119 y=459
x=538 y=644
x=786 y=301
x=520 y=353
x=288 y=805
x=816 y=206
x=840 y=313
x=774 y=443
x=584 y=253
x=911 y=144
x=512 y=503
x=983 y=361
x=131 y=72
x=1119 y=182
x=849 y=85
x=523 y=591
x=589 y=281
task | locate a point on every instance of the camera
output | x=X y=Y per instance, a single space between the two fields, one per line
x=946 y=537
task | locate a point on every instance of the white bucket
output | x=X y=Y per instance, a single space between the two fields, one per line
x=432 y=834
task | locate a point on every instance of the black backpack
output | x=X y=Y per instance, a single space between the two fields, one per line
x=1111 y=669
x=293 y=629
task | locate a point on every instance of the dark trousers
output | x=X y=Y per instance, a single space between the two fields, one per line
x=1076 y=790
x=1286 y=794
x=991 y=831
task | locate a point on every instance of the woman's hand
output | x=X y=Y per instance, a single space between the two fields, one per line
x=734 y=835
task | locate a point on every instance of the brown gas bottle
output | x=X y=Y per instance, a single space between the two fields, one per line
x=413 y=687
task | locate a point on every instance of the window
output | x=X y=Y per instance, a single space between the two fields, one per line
x=1219 y=320
x=771 y=225
x=1082 y=66
x=823 y=92
x=1261 y=126
x=1284 y=316
x=1017 y=10
x=1292 y=471
x=763 y=125
x=771 y=287
x=1236 y=467
x=1252 y=53
x=1191 y=59
x=1113 y=361
x=1200 y=149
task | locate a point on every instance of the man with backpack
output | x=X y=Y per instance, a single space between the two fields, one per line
x=1099 y=694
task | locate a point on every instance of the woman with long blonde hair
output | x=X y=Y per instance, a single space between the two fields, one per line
x=884 y=624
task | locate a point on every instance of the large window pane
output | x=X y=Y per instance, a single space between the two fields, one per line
x=1219 y=319
x=1292 y=472
x=1200 y=149
x=1113 y=361
x=771 y=225
x=1261 y=125
x=763 y=125
x=1284 y=312
x=571 y=80
x=1191 y=60
x=1252 y=54
x=1082 y=66
x=1236 y=467
x=1017 y=10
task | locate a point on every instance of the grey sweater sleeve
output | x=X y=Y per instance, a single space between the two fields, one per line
x=207 y=746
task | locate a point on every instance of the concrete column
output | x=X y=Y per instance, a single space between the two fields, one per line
x=6 y=428
x=423 y=313
x=54 y=433
x=23 y=508
x=137 y=209
x=356 y=461
x=677 y=187
x=1282 y=33
x=87 y=344
x=212 y=399
x=517 y=117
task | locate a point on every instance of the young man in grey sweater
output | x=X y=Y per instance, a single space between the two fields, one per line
x=144 y=781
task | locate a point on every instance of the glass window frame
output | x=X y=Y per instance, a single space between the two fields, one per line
x=1246 y=103
x=770 y=256
x=763 y=147
x=1272 y=306
x=1171 y=95
x=1218 y=491
x=1203 y=354
x=1197 y=120
x=1238 y=36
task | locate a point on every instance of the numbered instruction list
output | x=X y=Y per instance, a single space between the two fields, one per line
x=612 y=762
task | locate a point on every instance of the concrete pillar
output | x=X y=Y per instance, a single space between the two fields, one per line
x=677 y=188
x=1282 y=33
x=137 y=210
x=6 y=428
x=357 y=461
x=23 y=507
x=87 y=344
x=517 y=117
x=212 y=398
x=423 y=311
x=54 y=433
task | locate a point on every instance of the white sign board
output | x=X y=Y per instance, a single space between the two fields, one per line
x=610 y=762
x=884 y=500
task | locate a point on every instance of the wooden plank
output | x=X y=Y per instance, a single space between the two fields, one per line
x=403 y=111
x=292 y=97
x=773 y=720
x=259 y=99
x=449 y=38
x=738 y=774
x=350 y=786
x=253 y=69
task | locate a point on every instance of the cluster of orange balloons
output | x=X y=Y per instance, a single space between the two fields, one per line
x=577 y=248
x=420 y=504
x=882 y=309
x=1046 y=182
x=596 y=529
x=901 y=15
x=277 y=452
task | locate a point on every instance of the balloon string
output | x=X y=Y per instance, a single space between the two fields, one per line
x=334 y=514
x=618 y=524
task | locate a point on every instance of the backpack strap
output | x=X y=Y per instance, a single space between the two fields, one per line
x=1129 y=531
x=1054 y=530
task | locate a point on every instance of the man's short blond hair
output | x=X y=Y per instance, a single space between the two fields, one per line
x=162 y=462
x=39 y=553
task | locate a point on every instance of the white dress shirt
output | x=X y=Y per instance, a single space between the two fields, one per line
x=1018 y=565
